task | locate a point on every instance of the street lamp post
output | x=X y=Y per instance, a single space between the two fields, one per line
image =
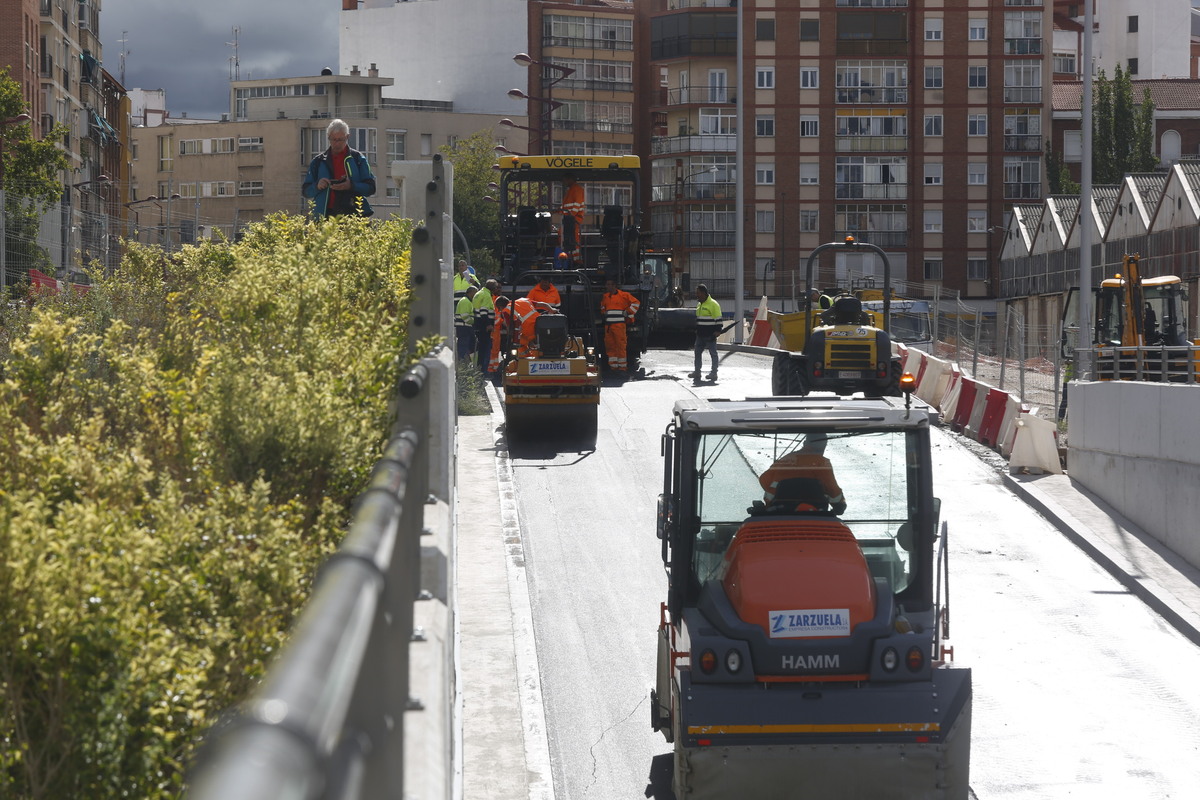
x=167 y=228
x=103 y=181
x=679 y=255
x=19 y=119
x=137 y=222
x=549 y=104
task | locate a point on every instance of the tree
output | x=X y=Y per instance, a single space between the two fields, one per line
x=1058 y=174
x=29 y=171
x=478 y=219
x=1122 y=130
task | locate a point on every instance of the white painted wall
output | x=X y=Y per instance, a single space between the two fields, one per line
x=456 y=50
x=1162 y=44
x=1137 y=446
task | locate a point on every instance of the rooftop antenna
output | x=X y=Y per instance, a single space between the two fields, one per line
x=235 y=67
x=124 y=38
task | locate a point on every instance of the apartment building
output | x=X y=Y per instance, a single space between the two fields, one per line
x=912 y=125
x=192 y=178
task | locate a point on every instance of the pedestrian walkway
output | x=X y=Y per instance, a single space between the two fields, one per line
x=1151 y=571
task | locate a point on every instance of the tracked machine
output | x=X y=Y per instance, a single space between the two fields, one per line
x=530 y=194
x=802 y=647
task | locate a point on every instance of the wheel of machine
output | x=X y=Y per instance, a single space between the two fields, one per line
x=794 y=384
x=780 y=367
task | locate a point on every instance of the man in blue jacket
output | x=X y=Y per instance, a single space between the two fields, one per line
x=339 y=181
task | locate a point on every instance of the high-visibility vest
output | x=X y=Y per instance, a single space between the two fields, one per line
x=708 y=318
x=484 y=308
x=464 y=313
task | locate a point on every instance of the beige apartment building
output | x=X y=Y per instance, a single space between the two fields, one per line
x=192 y=178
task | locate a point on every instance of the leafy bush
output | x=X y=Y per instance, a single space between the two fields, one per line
x=181 y=446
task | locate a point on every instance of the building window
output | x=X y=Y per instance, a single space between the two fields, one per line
x=933 y=220
x=225 y=145
x=977 y=269
x=250 y=144
x=1133 y=24
x=1022 y=177
x=810 y=30
x=250 y=188
x=426 y=144
x=977 y=77
x=809 y=221
x=1023 y=82
x=1064 y=63
x=165 y=154
x=977 y=30
x=1133 y=66
x=809 y=78
x=933 y=173
x=1022 y=33
x=933 y=29
x=976 y=174
x=1073 y=146
x=865 y=81
x=810 y=126
x=933 y=124
x=764 y=125
x=189 y=147
x=395 y=145
x=764 y=174
x=764 y=221
x=764 y=30
x=976 y=220
x=810 y=173
x=871 y=177
x=764 y=78
x=977 y=125
x=933 y=269
x=933 y=77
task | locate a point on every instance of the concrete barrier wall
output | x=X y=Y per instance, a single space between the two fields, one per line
x=1137 y=445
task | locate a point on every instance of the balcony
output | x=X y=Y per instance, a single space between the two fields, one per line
x=884 y=239
x=871 y=191
x=699 y=143
x=1022 y=47
x=1023 y=144
x=1022 y=191
x=871 y=144
x=857 y=95
x=665 y=192
x=872 y=47
x=695 y=95
x=1023 y=94
x=693 y=240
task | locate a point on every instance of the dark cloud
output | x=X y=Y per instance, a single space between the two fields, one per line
x=185 y=49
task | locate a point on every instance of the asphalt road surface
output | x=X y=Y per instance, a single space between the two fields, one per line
x=1081 y=691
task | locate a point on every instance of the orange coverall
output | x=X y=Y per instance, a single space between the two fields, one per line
x=550 y=297
x=801 y=464
x=504 y=320
x=619 y=308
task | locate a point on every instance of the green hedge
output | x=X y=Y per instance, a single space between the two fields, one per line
x=179 y=448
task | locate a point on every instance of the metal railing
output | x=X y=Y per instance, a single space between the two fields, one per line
x=340 y=714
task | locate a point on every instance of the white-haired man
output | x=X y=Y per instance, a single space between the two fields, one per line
x=339 y=180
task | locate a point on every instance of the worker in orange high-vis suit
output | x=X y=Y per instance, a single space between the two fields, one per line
x=525 y=316
x=574 y=205
x=501 y=329
x=807 y=461
x=545 y=297
x=619 y=308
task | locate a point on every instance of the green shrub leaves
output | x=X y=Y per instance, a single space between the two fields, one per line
x=180 y=448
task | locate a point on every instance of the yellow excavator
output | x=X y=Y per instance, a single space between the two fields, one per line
x=1140 y=328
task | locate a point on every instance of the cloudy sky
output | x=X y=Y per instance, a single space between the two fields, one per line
x=183 y=47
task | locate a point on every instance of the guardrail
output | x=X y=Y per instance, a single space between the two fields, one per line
x=361 y=702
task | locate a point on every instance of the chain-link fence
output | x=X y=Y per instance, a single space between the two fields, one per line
x=1004 y=351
